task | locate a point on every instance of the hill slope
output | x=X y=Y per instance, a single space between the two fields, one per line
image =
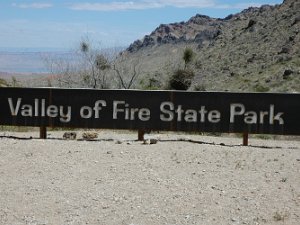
x=255 y=50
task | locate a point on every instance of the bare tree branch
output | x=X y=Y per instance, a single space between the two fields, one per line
x=126 y=71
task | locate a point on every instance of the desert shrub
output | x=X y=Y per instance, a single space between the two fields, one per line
x=261 y=88
x=153 y=84
x=188 y=56
x=181 y=79
x=199 y=87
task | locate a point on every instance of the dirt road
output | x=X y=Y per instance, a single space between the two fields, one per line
x=183 y=179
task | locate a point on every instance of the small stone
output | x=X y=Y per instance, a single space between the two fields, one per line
x=283 y=180
x=153 y=141
x=69 y=135
x=118 y=142
x=233 y=219
x=146 y=142
x=89 y=135
x=150 y=141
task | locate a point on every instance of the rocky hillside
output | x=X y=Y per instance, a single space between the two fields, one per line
x=257 y=49
x=198 y=29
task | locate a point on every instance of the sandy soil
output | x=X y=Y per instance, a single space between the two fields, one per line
x=183 y=179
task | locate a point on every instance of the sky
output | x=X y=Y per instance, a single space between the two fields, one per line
x=36 y=25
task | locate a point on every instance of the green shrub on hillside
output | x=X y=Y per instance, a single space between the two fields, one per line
x=188 y=56
x=181 y=79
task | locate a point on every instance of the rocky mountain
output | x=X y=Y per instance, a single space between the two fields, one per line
x=257 y=49
x=198 y=29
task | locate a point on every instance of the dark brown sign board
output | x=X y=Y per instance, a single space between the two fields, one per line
x=224 y=112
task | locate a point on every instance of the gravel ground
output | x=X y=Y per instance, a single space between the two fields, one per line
x=182 y=179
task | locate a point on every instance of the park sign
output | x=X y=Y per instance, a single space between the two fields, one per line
x=224 y=112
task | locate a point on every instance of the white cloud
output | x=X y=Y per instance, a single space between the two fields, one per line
x=151 y=4
x=139 y=5
x=188 y=3
x=32 y=5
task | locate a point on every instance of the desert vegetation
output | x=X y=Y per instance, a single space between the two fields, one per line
x=256 y=50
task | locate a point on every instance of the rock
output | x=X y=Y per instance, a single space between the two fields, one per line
x=285 y=50
x=234 y=219
x=296 y=20
x=229 y=17
x=207 y=35
x=251 y=23
x=187 y=217
x=89 y=135
x=204 y=27
x=163 y=29
x=118 y=142
x=169 y=38
x=148 y=41
x=200 y=19
x=150 y=141
x=265 y=8
x=153 y=141
x=69 y=135
x=135 y=46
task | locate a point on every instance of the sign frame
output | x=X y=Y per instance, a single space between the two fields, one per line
x=188 y=111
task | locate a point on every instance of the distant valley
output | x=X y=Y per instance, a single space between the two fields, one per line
x=27 y=62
